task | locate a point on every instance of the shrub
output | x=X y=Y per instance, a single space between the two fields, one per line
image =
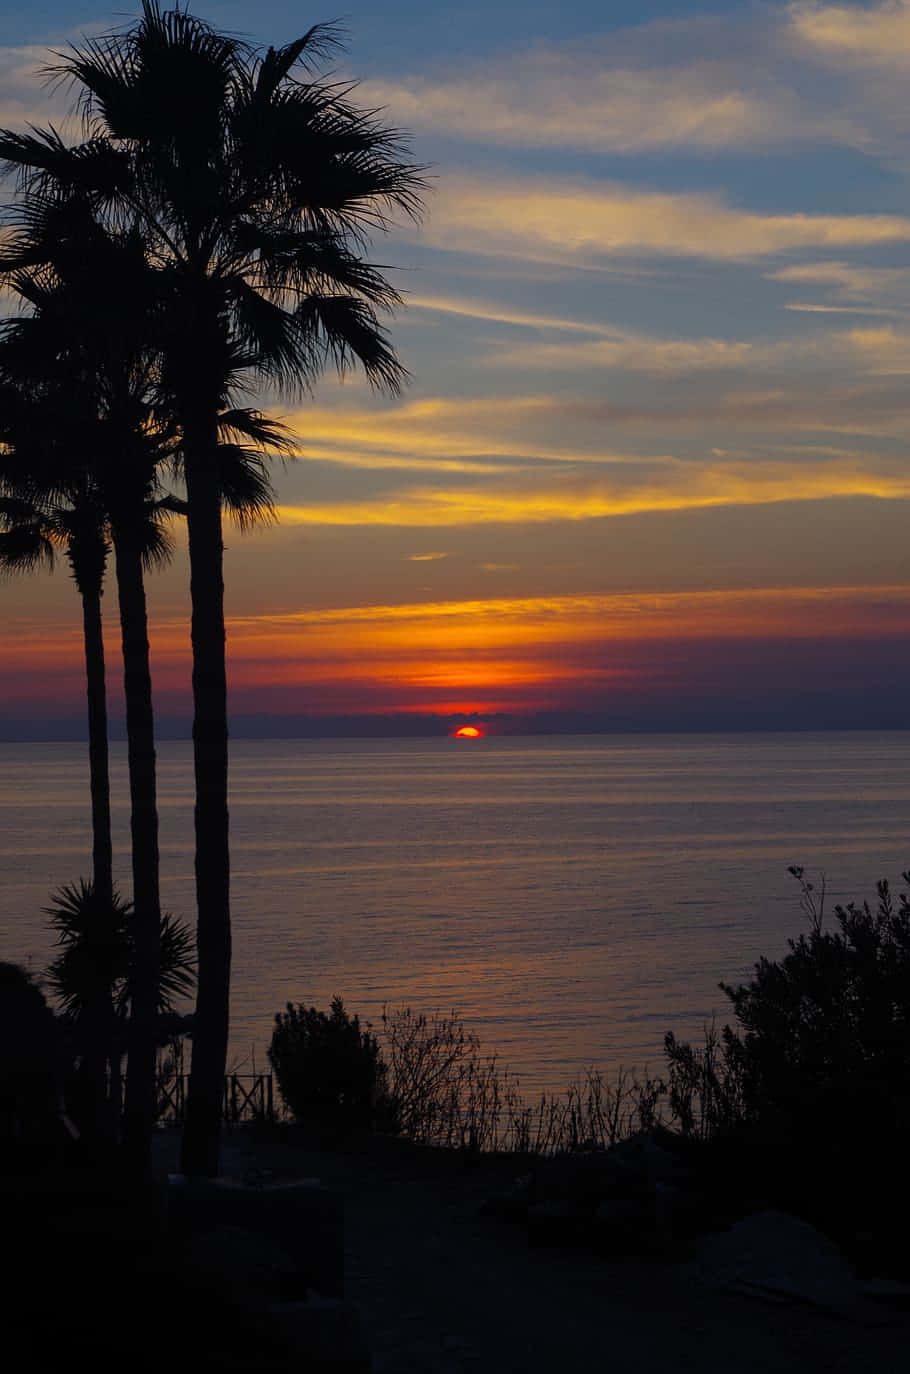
x=326 y=1066
x=444 y=1090
x=826 y=1030
x=705 y=1084
x=811 y=1090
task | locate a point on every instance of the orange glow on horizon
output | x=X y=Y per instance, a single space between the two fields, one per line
x=471 y=657
x=468 y=732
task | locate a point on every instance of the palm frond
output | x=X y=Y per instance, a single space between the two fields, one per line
x=276 y=66
x=247 y=494
x=154 y=541
x=177 y=962
x=345 y=331
x=93 y=941
x=24 y=549
x=270 y=334
x=263 y=431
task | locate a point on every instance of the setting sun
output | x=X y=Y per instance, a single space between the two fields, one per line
x=468 y=732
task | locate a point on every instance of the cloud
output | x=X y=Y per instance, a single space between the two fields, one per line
x=586 y=222
x=643 y=353
x=856 y=352
x=806 y=308
x=448 y=434
x=573 y=95
x=25 y=95
x=496 y=314
x=426 y=557
x=678 y=486
x=499 y=623
x=873 y=35
x=851 y=282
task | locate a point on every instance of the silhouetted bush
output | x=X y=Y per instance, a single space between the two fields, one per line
x=705 y=1089
x=327 y=1068
x=812 y=1087
x=444 y=1090
x=826 y=1030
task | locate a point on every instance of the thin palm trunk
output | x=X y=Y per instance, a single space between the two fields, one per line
x=103 y=1111
x=99 y=774
x=140 y=1082
x=210 y=751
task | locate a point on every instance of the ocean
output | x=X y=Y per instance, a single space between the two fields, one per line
x=571 y=898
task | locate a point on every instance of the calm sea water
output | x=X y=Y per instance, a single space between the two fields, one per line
x=572 y=898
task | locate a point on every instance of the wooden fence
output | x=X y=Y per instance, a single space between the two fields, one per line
x=247 y=1097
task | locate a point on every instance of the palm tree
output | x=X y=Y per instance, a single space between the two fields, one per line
x=31 y=531
x=92 y=976
x=256 y=186
x=87 y=347
x=29 y=535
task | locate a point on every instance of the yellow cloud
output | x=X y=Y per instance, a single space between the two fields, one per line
x=875 y=35
x=570 y=95
x=441 y=434
x=682 y=486
x=585 y=222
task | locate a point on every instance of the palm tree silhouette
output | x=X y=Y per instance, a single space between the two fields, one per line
x=256 y=186
x=88 y=349
x=31 y=531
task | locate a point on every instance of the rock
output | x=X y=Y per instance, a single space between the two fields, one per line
x=303 y=1219
x=640 y=1162
x=624 y=1226
x=326 y=1335
x=581 y=1179
x=780 y=1258
x=247 y=1264
x=891 y=1292
x=630 y=1168
x=559 y=1223
x=511 y=1205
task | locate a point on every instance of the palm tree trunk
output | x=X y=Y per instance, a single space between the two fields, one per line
x=202 y=1131
x=140 y=1082
x=101 y=1121
x=99 y=775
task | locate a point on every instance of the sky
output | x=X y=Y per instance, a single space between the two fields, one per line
x=650 y=470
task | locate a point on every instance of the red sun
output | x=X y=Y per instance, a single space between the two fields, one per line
x=468 y=732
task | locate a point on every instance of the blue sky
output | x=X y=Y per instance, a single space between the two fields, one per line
x=658 y=324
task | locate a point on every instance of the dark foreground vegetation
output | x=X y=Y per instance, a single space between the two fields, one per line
x=803 y=1103
x=786 y=1130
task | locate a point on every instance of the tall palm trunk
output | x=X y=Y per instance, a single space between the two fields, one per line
x=140 y=1083
x=210 y=753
